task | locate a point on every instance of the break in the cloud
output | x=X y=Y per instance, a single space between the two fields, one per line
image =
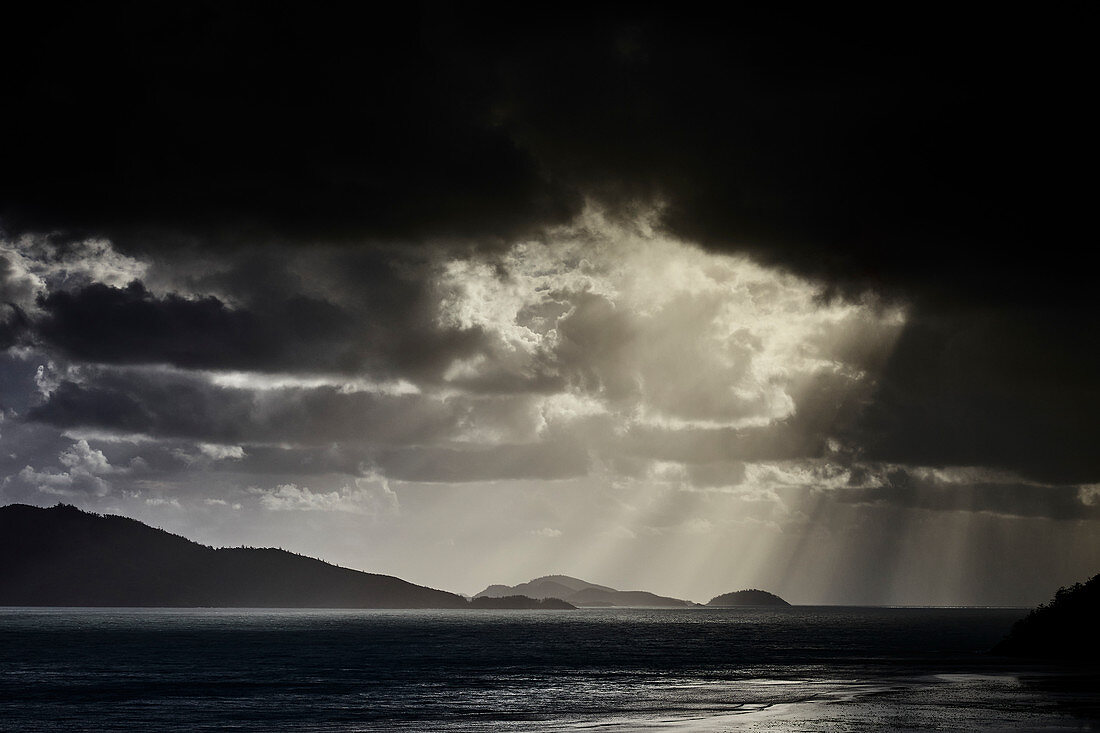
x=760 y=299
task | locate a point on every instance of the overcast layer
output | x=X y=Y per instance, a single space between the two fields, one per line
x=475 y=298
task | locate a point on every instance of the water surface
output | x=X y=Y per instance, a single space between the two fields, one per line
x=802 y=668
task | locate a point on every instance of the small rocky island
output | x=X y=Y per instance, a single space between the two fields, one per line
x=749 y=597
x=1065 y=628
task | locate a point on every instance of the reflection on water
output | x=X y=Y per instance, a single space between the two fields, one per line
x=609 y=669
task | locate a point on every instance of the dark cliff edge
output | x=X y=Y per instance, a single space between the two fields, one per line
x=1067 y=628
x=63 y=556
x=750 y=597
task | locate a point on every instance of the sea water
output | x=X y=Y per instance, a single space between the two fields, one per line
x=801 y=668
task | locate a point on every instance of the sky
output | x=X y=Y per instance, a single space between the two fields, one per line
x=474 y=294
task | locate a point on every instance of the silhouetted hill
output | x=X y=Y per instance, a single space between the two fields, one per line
x=548 y=586
x=750 y=597
x=573 y=584
x=521 y=602
x=62 y=556
x=582 y=593
x=1066 y=628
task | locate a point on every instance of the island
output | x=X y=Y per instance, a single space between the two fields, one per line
x=524 y=603
x=583 y=594
x=749 y=597
x=1065 y=628
x=63 y=556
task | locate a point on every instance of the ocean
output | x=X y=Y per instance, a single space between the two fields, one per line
x=787 y=669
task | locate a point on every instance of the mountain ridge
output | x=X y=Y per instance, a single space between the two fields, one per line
x=63 y=556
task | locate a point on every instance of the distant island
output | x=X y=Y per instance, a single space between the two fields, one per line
x=581 y=593
x=750 y=597
x=62 y=556
x=521 y=603
x=1066 y=628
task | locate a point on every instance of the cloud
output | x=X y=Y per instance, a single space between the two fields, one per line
x=925 y=489
x=366 y=315
x=13 y=325
x=32 y=265
x=862 y=160
x=178 y=405
x=161 y=501
x=81 y=457
x=1089 y=494
x=222 y=452
x=654 y=330
x=86 y=468
x=264 y=114
x=586 y=338
x=631 y=271
x=368 y=496
x=1010 y=389
x=129 y=325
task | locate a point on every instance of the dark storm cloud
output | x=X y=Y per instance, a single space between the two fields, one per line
x=1015 y=389
x=902 y=488
x=863 y=148
x=186 y=407
x=346 y=312
x=934 y=159
x=13 y=321
x=253 y=120
x=13 y=325
x=129 y=325
x=175 y=457
x=294 y=431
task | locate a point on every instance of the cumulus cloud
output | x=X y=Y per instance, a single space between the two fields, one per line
x=369 y=496
x=33 y=265
x=652 y=329
x=221 y=452
x=86 y=469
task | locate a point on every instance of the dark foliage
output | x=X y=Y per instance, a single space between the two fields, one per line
x=521 y=603
x=1065 y=628
x=750 y=597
